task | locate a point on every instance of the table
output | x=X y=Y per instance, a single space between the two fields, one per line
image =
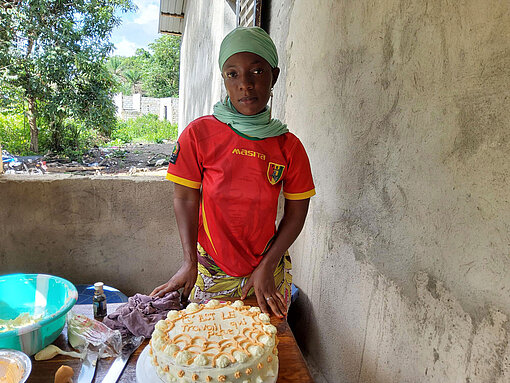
x=292 y=368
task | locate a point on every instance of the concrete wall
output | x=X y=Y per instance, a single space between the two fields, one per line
x=278 y=28
x=403 y=108
x=133 y=106
x=207 y=22
x=404 y=261
x=85 y=229
x=172 y=109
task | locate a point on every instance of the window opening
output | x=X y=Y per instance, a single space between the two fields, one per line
x=248 y=13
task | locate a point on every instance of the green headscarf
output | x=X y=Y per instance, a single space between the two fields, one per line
x=259 y=126
x=248 y=39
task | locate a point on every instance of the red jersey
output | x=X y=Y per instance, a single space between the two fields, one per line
x=241 y=179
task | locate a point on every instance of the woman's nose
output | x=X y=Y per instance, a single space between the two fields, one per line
x=245 y=81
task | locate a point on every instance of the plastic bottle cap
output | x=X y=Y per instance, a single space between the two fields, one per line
x=98 y=285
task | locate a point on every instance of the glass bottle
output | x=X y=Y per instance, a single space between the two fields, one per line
x=99 y=301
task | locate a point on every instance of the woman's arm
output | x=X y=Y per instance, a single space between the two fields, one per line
x=262 y=278
x=186 y=205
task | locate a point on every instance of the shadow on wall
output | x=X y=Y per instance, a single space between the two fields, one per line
x=303 y=325
x=303 y=322
x=297 y=319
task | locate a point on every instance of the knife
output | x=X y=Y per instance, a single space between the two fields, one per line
x=120 y=362
x=88 y=367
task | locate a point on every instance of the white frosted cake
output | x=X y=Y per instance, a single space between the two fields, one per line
x=216 y=342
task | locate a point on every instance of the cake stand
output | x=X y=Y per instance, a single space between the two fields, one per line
x=145 y=371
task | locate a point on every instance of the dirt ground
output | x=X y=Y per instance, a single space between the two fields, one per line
x=130 y=159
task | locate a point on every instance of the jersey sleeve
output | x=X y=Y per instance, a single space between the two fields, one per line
x=298 y=182
x=185 y=165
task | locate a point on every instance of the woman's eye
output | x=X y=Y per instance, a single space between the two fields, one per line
x=258 y=71
x=230 y=74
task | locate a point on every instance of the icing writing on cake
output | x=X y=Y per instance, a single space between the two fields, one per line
x=213 y=329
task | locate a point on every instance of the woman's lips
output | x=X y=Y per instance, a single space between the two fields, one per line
x=248 y=100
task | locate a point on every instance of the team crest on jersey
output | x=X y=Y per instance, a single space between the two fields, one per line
x=175 y=153
x=274 y=172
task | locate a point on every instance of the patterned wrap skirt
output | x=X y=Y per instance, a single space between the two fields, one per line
x=212 y=282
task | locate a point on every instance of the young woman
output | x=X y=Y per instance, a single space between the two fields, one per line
x=228 y=170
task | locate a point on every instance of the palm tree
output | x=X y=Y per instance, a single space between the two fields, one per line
x=114 y=65
x=133 y=77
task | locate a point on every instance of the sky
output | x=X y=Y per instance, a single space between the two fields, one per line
x=138 y=29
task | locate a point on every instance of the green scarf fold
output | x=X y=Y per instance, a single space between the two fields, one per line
x=257 y=126
x=248 y=39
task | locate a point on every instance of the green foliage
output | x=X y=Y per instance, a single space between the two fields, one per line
x=133 y=77
x=54 y=52
x=75 y=138
x=14 y=134
x=115 y=66
x=12 y=100
x=144 y=129
x=161 y=78
x=153 y=73
x=129 y=71
x=55 y=71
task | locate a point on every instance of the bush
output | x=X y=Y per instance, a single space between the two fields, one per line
x=75 y=138
x=144 y=129
x=15 y=134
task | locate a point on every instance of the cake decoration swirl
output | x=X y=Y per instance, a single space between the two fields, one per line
x=216 y=341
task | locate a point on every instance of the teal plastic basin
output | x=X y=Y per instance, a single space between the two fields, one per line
x=34 y=294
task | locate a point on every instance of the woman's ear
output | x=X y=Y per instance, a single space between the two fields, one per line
x=276 y=72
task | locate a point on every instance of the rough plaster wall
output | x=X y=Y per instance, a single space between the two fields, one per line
x=403 y=264
x=200 y=86
x=119 y=231
x=279 y=14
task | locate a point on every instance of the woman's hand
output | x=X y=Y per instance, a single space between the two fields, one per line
x=268 y=297
x=186 y=203
x=262 y=278
x=184 y=278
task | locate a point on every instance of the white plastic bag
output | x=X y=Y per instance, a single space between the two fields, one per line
x=84 y=332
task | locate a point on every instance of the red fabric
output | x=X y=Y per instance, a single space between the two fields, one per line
x=238 y=199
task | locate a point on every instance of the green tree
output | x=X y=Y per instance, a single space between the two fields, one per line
x=133 y=77
x=130 y=71
x=161 y=76
x=115 y=66
x=55 y=51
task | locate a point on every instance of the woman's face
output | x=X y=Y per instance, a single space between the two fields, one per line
x=249 y=79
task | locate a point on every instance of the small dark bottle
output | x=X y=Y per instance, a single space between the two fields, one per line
x=99 y=301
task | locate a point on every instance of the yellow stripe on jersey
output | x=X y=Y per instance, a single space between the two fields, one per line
x=206 y=227
x=298 y=196
x=183 y=181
